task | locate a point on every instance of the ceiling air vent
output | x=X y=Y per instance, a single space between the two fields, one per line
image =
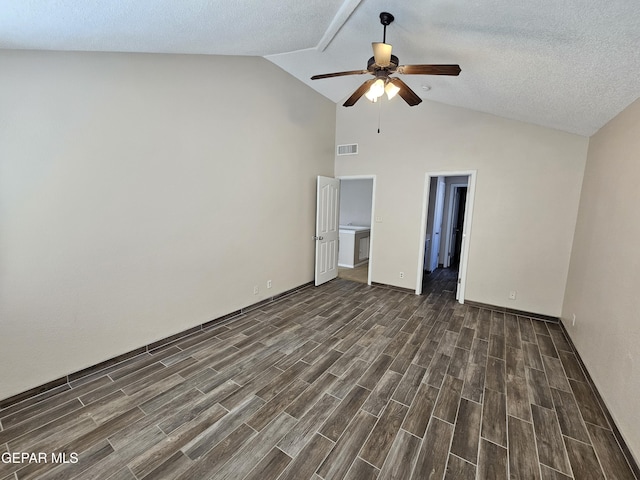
x=351 y=149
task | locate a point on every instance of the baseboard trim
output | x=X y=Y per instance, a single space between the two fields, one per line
x=633 y=464
x=64 y=383
x=393 y=287
x=522 y=313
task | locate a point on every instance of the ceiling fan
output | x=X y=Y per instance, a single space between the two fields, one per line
x=381 y=66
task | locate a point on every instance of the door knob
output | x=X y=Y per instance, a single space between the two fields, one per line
x=318 y=238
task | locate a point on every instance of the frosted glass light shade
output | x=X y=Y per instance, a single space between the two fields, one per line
x=376 y=90
x=382 y=53
x=391 y=90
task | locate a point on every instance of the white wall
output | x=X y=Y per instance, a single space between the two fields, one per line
x=526 y=201
x=355 y=201
x=139 y=199
x=604 y=277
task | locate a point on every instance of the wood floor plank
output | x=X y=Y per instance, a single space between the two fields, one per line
x=361 y=470
x=539 y=392
x=437 y=369
x=569 y=417
x=434 y=453
x=473 y=388
x=212 y=461
x=458 y=364
x=527 y=333
x=611 y=458
x=459 y=469
x=375 y=372
x=584 y=462
x=270 y=467
x=555 y=373
x=309 y=459
x=551 y=474
x=465 y=339
x=546 y=346
x=560 y=341
x=276 y=406
x=343 y=413
x=341 y=387
x=532 y=357
x=494 y=418
x=256 y=448
x=523 y=457
x=495 y=375
x=90 y=457
x=338 y=462
x=307 y=426
x=479 y=351
x=311 y=395
x=571 y=366
x=377 y=447
x=419 y=414
x=154 y=456
x=446 y=406
x=401 y=458
x=409 y=385
x=382 y=392
x=497 y=346
x=467 y=431
x=588 y=404
x=217 y=432
x=518 y=398
x=512 y=331
x=120 y=458
x=514 y=363
x=492 y=461
x=551 y=450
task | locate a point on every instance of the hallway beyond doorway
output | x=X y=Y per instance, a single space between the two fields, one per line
x=441 y=280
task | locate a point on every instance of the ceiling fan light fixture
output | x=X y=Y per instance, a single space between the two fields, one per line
x=376 y=90
x=382 y=53
x=391 y=90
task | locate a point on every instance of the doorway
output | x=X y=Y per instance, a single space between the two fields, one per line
x=446 y=221
x=357 y=195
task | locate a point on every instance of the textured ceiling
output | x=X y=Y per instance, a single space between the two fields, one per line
x=570 y=65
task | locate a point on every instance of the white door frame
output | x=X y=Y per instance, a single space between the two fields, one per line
x=466 y=233
x=373 y=216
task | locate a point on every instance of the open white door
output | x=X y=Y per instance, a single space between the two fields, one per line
x=327 y=229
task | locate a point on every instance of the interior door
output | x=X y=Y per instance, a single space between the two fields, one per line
x=437 y=224
x=327 y=229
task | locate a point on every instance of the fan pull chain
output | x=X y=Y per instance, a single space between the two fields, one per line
x=379 y=114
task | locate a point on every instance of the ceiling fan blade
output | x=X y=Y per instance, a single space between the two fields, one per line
x=429 y=69
x=362 y=89
x=339 y=74
x=405 y=92
x=382 y=53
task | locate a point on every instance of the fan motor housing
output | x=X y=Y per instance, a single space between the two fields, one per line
x=372 y=67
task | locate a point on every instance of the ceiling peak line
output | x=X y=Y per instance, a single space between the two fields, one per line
x=341 y=17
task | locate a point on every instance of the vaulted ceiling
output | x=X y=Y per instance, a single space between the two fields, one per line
x=571 y=65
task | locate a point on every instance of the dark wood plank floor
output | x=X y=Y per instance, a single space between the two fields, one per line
x=339 y=381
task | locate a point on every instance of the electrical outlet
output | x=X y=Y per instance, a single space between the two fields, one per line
x=401 y=274
x=256 y=290
x=573 y=321
x=512 y=295
x=268 y=283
